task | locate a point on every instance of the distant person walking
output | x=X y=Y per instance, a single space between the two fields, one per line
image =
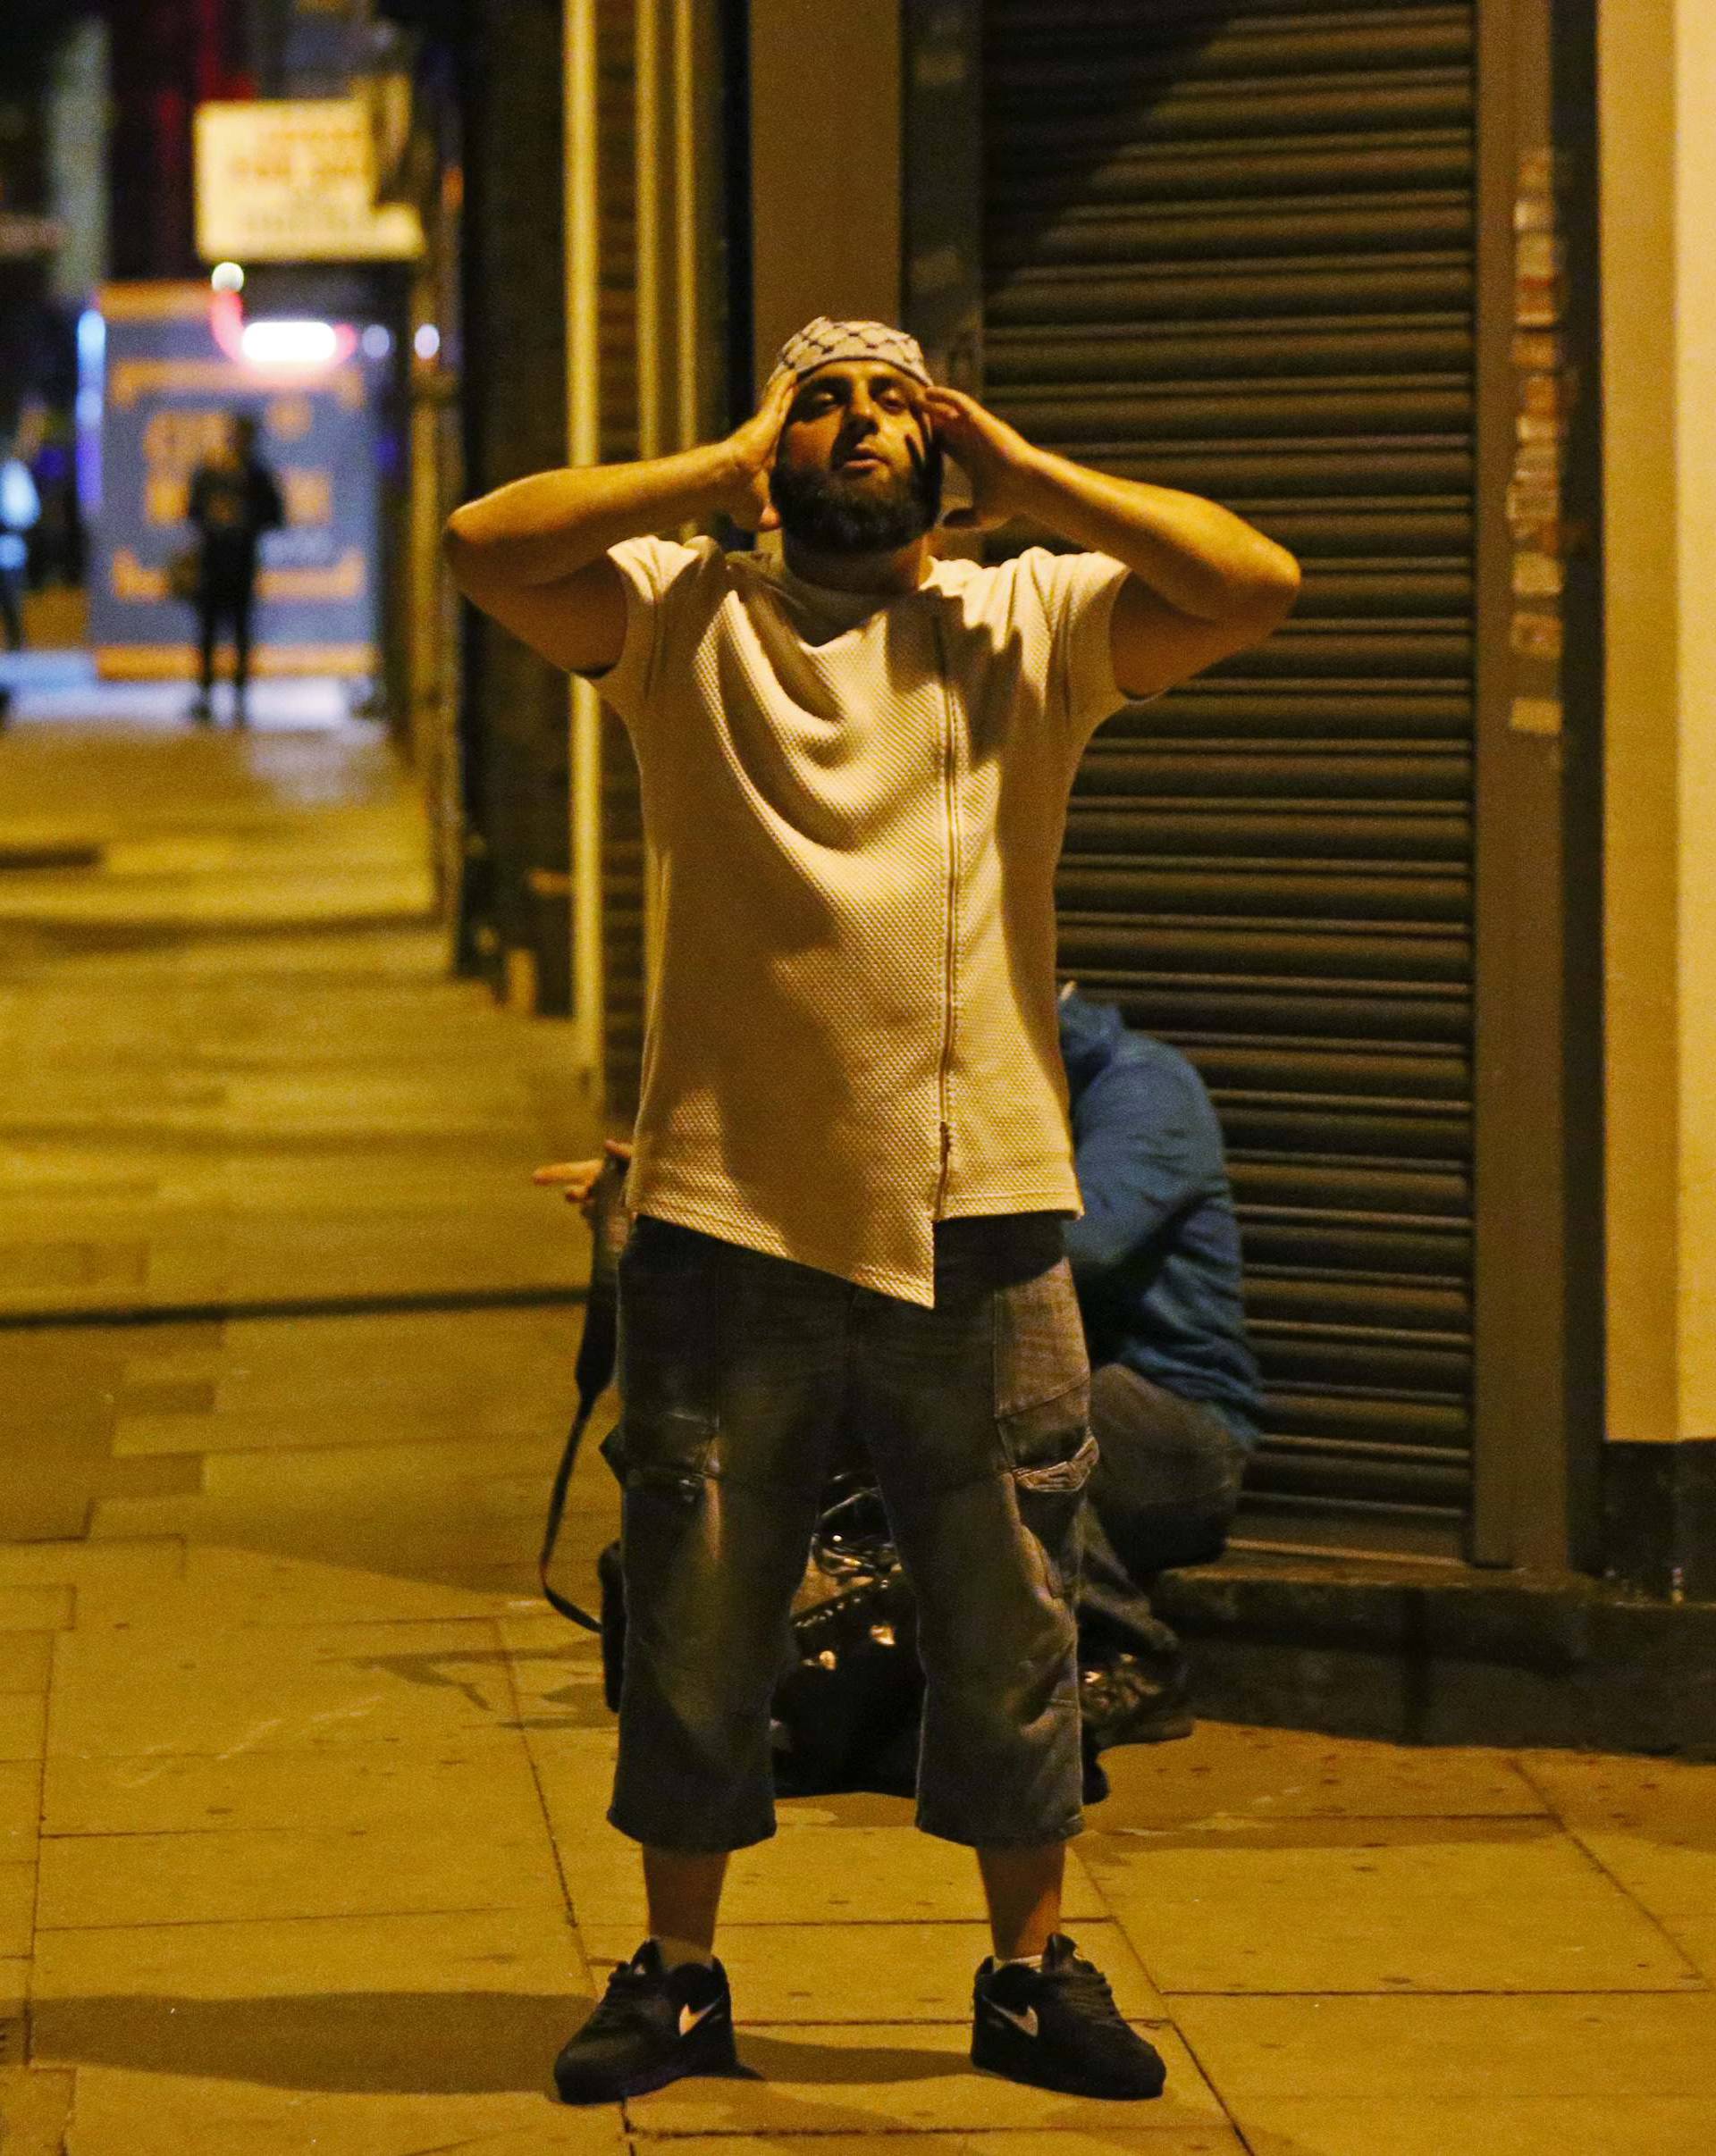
x=234 y=500
x=19 y=508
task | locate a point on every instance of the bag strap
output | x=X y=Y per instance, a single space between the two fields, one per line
x=594 y=1369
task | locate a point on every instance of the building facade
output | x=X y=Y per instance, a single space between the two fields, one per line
x=1416 y=886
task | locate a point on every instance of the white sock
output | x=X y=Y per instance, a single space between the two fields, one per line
x=1021 y=1961
x=678 y=1953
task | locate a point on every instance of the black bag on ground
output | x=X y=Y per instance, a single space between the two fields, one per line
x=851 y=1695
x=847 y=1709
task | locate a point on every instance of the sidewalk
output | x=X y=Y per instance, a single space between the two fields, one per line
x=301 y=1836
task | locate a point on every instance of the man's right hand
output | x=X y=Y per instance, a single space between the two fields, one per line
x=752 y=447
x=576 y=1179
x=533 y=555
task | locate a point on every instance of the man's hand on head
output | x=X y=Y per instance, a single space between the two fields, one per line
x=753 y=447
x=995 y=458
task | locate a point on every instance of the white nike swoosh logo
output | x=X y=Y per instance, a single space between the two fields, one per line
x=1027 y=2021
x=688 y=2020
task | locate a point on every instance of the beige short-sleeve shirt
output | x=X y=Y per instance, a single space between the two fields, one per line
x=853 y=812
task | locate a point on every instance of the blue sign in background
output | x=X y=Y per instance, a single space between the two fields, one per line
x=168 y=389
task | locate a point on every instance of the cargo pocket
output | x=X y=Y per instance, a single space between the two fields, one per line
x=663 y=1447
x=1042 y=1412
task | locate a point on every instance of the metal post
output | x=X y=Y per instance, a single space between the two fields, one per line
x=583 y=381
x=685 y=222
x=648 y=241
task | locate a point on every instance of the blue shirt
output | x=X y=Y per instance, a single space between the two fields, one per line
x=1155 y=1257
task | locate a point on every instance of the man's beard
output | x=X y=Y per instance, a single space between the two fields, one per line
x=826 y=514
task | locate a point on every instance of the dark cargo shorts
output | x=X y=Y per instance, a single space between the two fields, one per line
x=742 y=1378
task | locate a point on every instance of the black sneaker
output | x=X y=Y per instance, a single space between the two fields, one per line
x=1058 y=2027
x=653 y=2025
x=1127 y=1698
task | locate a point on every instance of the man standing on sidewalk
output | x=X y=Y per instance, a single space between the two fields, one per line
x=233 y=500
x=852 y=1154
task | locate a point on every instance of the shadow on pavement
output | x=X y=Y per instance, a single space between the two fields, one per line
x=434 y=2044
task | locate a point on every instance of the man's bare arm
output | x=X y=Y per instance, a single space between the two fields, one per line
x=535 y=554
x=1205 y=583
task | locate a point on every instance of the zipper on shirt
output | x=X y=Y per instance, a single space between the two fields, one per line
x=950 y=954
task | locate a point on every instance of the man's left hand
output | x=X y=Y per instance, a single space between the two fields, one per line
x=994 y=457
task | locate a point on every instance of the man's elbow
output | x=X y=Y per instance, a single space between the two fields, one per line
x=1270 y=591
x=461 y=549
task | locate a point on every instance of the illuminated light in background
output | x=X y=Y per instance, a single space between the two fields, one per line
x=427 y=343
x=92 y=339
x=226 y=323
x=278 y=340
x=376 y=341
x=92 y=359
x=227 y=277
x=288 y=343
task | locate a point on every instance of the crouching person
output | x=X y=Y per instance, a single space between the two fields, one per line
x=1174 y=1386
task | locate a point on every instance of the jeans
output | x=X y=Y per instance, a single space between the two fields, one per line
x=225 y=605
x=1163 y=1494
x=741 y=1376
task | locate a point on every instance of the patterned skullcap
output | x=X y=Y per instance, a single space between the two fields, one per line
x=821 y=341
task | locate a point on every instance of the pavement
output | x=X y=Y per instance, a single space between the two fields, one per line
x=301 y=1792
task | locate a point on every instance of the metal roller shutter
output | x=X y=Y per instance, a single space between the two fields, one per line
x=622 y=811
x=1229 y=248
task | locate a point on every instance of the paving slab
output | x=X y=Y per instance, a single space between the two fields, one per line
x=820 y=1972
x=364 y=1480
x=23 y=1726
x=468 y=2004
x=1544 y=2125
x=103 y=1880
x=17 y=1909
x=1378 y=1906
x=1695 y=1936
x=240 y=1590
x=462 y=1502
x=1442 y=2050
x=35 y=2106
x=818 y=1875
x=143 y=2114
x=557 y=1666
x=359 y=1424
x=575 y=1772
x=898 y=2079
x=526 y=1952
x=1650 y=1822
x=124 y=1571
x=475 y=1783
x=1232 y=1770
x=21 y=1810
x=135 y=1695
x=26 y=1662
x=34 y=1610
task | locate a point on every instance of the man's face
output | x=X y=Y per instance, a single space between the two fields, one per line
x=858 y=470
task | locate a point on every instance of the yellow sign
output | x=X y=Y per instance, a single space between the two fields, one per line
x=347 y=578
x=293 y=180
